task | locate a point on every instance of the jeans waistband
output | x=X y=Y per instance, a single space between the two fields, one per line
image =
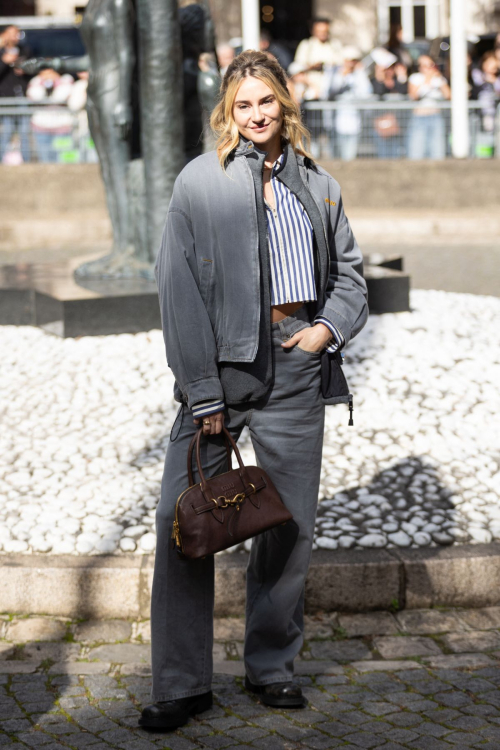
x=292 y=323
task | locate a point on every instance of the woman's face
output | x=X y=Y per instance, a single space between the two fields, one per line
x=490 y=66
x=257 y=112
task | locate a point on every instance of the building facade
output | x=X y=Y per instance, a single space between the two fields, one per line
x=364 y=23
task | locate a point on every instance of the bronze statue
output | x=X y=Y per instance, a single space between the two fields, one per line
x=133 y=99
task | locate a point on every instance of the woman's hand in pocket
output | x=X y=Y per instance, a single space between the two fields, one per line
x=313 y=339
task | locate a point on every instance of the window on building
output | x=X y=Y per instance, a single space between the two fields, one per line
x=17 y=7
x=394 y=15
x=419 y=21
x=286 y=20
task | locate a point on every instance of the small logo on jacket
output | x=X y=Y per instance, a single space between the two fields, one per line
x=330 y=203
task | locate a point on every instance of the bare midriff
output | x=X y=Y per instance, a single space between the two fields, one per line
x=278 y=312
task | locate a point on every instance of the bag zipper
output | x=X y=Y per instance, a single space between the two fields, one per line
x=176 y=531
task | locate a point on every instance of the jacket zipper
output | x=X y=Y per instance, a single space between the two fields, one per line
x=254 y=206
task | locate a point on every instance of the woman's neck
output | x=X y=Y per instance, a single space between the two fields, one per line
x=273 y=148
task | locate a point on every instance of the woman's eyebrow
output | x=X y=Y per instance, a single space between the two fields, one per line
x=245 y=101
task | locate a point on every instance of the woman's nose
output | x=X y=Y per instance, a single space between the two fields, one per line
x=257 y=115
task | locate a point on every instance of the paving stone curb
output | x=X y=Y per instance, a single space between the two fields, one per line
x=109 y=586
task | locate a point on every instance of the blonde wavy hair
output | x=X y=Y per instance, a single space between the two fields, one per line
x=267 y=69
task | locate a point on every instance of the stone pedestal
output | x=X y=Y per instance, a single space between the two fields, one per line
x=46 y=295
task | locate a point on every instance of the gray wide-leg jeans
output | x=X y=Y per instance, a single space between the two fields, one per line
x=286 y=429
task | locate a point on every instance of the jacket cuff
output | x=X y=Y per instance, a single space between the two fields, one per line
x=204 y=408
x=338 y=340
x=204 y=389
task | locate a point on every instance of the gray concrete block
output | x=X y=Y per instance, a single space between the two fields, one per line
x=70 y=586
x=420 y=622
x=18 y=667
x=340 y=650
x=230 y=585
x=482 y=640
x=482 y=619
x=35 y=629
x=55 y=651
x=373 y=623
x=6 y=650
x=103 y=630
x=138 y=670
x=456 y=661
x=80 y=667
x=314 y=667
x=229 y=629
x=352 y=581
x=368 y=185
x=122 y=653
x=394 y=647
x=459 y=576
x=349 y=581
x=234 y=668
x=389 y=665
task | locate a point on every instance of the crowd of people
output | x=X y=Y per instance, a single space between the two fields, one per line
x=322 y=70
x=41 y=133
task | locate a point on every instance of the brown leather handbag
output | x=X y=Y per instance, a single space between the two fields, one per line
x=227 y=509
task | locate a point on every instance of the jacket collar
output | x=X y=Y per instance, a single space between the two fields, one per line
x=246 y=147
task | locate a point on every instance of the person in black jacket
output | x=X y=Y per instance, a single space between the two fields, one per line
x=13 y=83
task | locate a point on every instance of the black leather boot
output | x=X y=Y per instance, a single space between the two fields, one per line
x=279 y=694
x=173 y=714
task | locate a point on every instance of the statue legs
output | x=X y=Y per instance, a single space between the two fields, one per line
x=114 y=155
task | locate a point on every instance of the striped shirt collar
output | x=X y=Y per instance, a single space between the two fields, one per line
x=279 y=164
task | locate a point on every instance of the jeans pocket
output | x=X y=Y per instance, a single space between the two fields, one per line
x=308 y=354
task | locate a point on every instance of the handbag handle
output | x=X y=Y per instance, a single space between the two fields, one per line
x=190 y=457
x=230 y=443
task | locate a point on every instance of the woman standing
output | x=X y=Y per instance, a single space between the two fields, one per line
x=258 y=272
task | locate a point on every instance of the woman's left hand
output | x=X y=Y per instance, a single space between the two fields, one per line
x=314 y=339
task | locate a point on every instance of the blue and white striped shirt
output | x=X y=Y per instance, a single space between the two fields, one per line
x=291 y=253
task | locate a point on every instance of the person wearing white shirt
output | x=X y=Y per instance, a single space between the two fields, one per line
x=49 y=122
x=426 y=135
x=346 y=83
x=314 y=53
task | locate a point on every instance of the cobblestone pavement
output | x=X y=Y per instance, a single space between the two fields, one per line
x=420 y=680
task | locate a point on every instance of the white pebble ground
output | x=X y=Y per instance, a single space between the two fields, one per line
x=85 y=425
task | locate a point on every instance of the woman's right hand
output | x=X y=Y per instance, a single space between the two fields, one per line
x=212 y=423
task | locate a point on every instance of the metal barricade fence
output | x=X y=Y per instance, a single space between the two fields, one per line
x=43 y=132
x=365 y=129
x=369 y=129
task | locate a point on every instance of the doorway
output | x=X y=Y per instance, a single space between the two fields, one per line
x=286 y=20
x=17 y=7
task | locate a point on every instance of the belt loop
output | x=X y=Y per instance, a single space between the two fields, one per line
x=283 y=332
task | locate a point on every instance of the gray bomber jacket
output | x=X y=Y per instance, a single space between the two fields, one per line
x=214 y=298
